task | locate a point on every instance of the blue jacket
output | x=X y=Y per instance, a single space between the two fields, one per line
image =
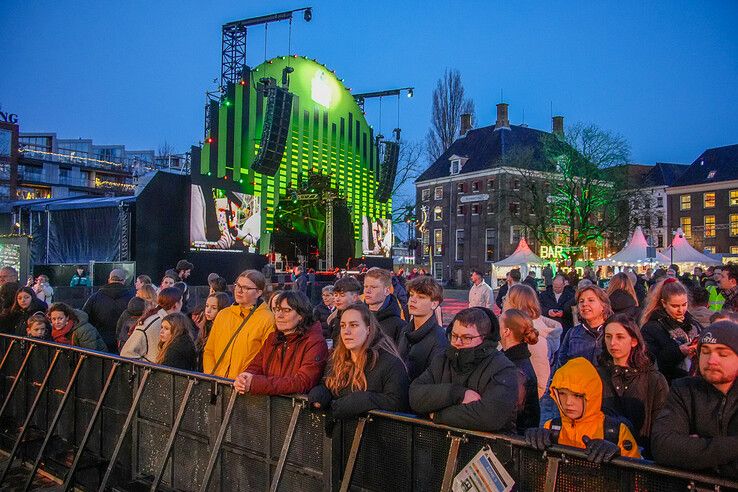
x=581 y=341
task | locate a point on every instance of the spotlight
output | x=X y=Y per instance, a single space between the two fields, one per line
x=410 y=93
x=308 y=14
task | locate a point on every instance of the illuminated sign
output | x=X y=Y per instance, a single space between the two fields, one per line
x=474 y=198
x=8 y=117
x=555 y=252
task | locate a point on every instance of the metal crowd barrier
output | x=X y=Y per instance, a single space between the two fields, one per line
x=99 y=422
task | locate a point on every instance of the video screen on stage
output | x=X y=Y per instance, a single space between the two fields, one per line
x=222 y=220
x=376 y=237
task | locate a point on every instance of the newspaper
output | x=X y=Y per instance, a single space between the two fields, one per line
x=484 y=473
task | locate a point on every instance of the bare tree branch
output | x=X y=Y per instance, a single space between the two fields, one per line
x=449 y=103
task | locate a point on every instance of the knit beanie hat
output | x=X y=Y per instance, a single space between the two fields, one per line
x=721 y=332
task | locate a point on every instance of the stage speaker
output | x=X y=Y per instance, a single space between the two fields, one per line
x=388 y=171
x=276 y=128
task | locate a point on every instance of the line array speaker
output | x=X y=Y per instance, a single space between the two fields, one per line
x=276 y=128
x=388 y=172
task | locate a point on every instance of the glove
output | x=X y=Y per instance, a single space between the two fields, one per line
x=600 y=450
x=539 y=438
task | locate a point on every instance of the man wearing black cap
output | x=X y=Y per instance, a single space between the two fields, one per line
x=698 y=427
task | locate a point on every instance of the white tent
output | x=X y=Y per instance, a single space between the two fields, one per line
x=634 y=253
x=521 y=257
x=684 y=253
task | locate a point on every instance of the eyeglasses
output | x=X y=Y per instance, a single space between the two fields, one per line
x=287 y=310
x=242 y=288
x=463 y=339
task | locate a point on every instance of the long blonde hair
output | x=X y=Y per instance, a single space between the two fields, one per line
x=621 y=281
x=522 y=297
x=662 y=291
x=344 y=372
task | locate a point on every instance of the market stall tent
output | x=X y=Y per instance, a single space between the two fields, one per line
x=682 y=253
x=634 y=253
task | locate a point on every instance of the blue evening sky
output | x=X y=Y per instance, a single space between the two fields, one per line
x=664 y=74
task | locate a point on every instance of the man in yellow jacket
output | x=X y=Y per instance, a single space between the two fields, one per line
x=229 y=360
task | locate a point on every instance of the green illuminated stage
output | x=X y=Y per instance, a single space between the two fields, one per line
x=328 y=135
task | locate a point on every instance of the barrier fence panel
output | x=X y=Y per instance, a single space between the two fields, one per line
x=132 y=426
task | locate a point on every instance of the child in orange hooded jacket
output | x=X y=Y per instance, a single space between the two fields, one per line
x=577 y=390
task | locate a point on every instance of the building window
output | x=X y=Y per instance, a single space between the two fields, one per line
x=514 y=208
x=709 y=226
x=733 y=198
x=659 y=221
x=459 y=244
x=646 y=202
x=456 y=166
x=491 y=184
x=438 y=192
x=659 y=201
x=733 y=224
x=710 y=249
x=475 y=209
x=490 y=238
x=437 y=242
x=659 y=241
x=516 y=184
x=460 y=210
x=708 y=199
x=425 y=194
x=647 y=222
x=685 y=202
x=734 y=250
x=426 y=242
x=686 y=224
x=476 y=185
x=711 y=174
x=515 y=234
x=490 y=208
x=438 y=213
x=460 y=187
x=438 y=271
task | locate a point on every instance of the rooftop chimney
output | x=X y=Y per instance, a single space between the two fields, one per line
x=502 y=121
x=465 y=123
x=558 y=125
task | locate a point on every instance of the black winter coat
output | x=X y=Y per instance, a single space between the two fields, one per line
x=390 y=319
x=548 y=302
x=321 y=313
x=622 y=303
x=386 y=389
x=419 y=347
x=529 y=409
x=663 y=349
x=637 y=395
x=104 y=307
x=440 y=389
x=20 y=316
x=181 y=353
x=694 y=407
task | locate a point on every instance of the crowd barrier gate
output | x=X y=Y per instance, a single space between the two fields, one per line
x=100 y=422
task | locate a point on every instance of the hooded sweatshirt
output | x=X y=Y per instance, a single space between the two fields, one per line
x=580 y=376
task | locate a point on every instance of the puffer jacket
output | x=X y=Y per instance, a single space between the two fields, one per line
x=289 y=364
x=440 y=389
x=418 y=347
x=143 y=343
x=84 y=335
x=391 y=320
x=105 y=306
x=529 y=410
x=580 y=376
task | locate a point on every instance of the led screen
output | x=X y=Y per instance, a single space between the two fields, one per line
x=376 y=237
x=222 y=220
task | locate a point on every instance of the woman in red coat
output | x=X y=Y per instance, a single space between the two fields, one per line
x=293 y=356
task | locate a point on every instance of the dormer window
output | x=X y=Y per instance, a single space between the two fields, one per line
x=711 y=174
x=455 y=166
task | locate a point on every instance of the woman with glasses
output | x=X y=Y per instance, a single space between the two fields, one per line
x=293 y=357
x=240 y=330
x=366 y=372
x=474 y=386
x=25 y=304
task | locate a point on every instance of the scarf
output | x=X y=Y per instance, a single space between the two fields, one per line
x=60 y=336
x=464 y=361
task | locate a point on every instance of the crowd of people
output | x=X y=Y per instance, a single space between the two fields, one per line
x=644 y=368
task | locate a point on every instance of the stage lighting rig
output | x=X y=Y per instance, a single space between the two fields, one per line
x=361 y=98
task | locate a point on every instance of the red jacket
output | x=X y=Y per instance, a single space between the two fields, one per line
x=292 y=364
